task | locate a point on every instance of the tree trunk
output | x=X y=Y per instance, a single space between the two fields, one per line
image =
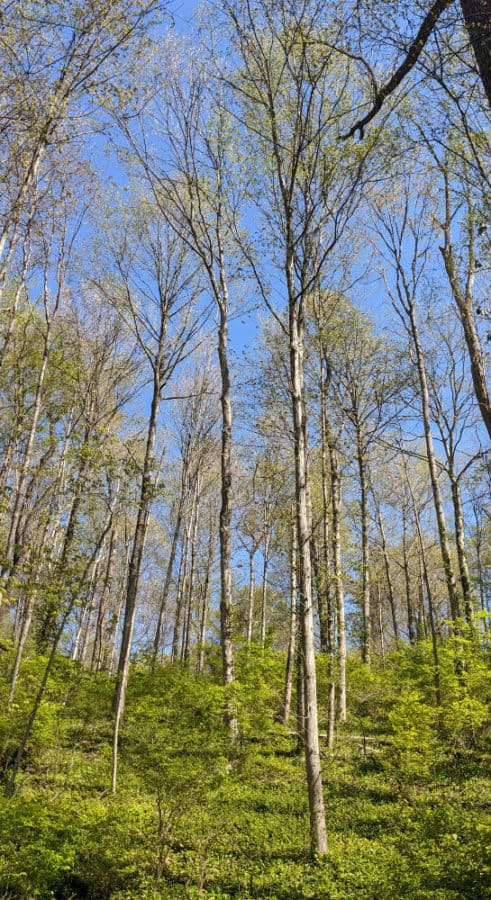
x=477 y=17
x=206 y=601
x=325 y=593
x=465 y=580
x=407 y=581
x=304 y=527
x=365 y=551
x=421 y=629
x=429 y=597
x=168 y=576
x=381 y=623
x=20 y=287
x=430 y=453
x=388 y=574
x=91 y=604
x=337 y=569
x=26 y=461
x=228 y=672
x=190 y=587
x=293 y=636
x=463 y=295
x=134 y=569
x=264 y=592
x=250 y=607
x=99 y=628
x=24 y=632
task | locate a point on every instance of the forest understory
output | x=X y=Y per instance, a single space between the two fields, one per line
x=407 y=786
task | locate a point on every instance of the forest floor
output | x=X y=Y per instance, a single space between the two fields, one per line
x=407 y=787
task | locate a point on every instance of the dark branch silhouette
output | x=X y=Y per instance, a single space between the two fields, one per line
x=477 y=17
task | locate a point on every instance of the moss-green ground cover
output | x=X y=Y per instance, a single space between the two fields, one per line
x=407 y=788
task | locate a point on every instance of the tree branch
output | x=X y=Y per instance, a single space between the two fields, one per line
x=412 y=56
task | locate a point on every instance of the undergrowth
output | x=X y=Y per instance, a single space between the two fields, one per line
x=407 y=786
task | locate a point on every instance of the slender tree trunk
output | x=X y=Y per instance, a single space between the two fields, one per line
x=205 y=602
x=91 y=605
x=304 y=526
x=430 y=453
x=480 y=569
x=421 y=630
x=228 y=671
x=463 y=295
x=407 y=580
x=381 y=623
x=264 y=592
x=300 y=685
x=178 y=610
x=429 y=596
x=293 y=635
x=168 y=576
x=103 y=602
x=26 y=461
x=20 y=287
x=134 y=567
x=62 y=563
x=325 y=595
x=190 y=590
x=250 y=608
x=11 y=221
x=365 y=550
x=327 y=617
x=388 y=574
x=465 y=580
x=337 y=569
x=24 y=632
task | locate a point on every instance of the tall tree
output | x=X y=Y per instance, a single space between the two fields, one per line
x=290 y=100
x=153 y=286
x=193 y=186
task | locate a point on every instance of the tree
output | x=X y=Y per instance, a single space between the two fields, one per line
x=287 y=95
x=453 y=411
x=194 y=190
x=56 y=62
x=404 y=230
x=153 y=287
x=366 y=384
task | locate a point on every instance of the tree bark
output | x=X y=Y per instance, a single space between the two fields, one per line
x=337 y=569
x=430 y=454
x=96 y=661
x=134 y=568
x=206 y=601
x=228 y=670
x=264 y=591
x=365 y=549
x=250 y=605
x=407 y=581
x=292 y=640
x=168 y=576
x=477 y=17
x=429 y=596
x=388 y=574
x=304 y=527
x=465 y=580
x=463 y=295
